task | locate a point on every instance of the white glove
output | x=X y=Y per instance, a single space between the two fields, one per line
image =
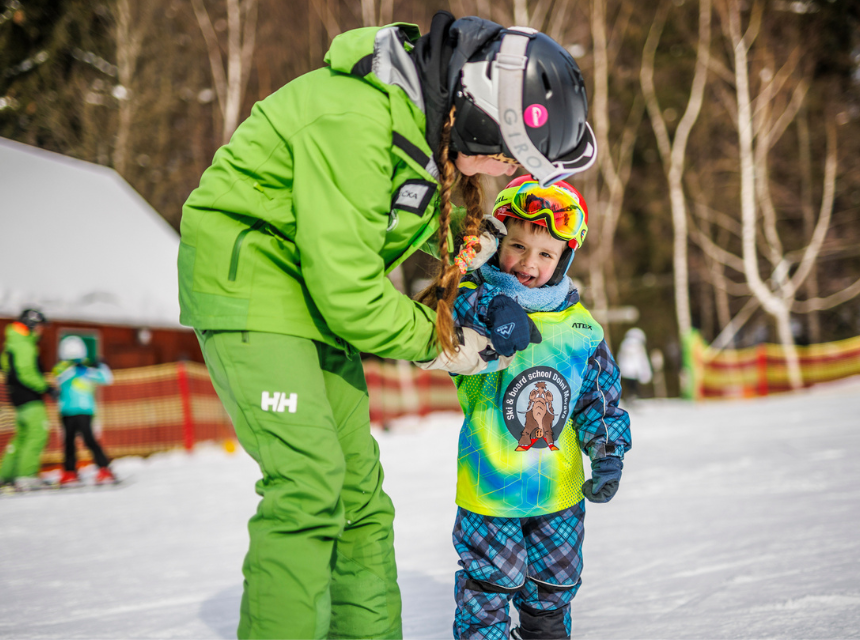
x=492 y=230
x=468 y=359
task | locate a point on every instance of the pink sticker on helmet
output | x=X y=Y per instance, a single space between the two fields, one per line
x=535 y=115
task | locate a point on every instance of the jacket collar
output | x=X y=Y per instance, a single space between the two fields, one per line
x=381 y=57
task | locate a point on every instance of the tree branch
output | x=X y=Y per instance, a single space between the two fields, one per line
x=332 y=28
x=558 y=20
x=824 y=216
x=713 y=251
x=539 y=15
x=646 y=79
x=214 y=50
x=735 y=325
x=818 y=304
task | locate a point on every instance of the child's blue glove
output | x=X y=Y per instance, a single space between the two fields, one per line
x=511 y=329
x=605 y=476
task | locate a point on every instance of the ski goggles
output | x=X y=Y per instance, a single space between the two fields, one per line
x=561 y=210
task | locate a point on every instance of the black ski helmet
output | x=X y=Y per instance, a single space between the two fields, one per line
x=31 y=317
x=523 y=95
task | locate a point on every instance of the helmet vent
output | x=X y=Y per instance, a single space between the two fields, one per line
x=547 y=88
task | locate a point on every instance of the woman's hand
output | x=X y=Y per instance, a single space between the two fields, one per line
x=470 y=358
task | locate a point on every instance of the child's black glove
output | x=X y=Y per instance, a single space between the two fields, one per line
x=605 y=476
x=510 y=327
x=53 y=392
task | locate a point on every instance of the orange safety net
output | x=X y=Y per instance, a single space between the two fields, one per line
x=761 y=370
x=397 y=388
x=168 y=406
x=145 y=410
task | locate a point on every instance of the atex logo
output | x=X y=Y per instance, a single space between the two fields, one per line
x=278 y=401
x=581 y=325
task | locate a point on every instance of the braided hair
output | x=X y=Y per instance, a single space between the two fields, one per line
x=442 y=292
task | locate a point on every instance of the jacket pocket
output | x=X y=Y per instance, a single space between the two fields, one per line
x=237 y=248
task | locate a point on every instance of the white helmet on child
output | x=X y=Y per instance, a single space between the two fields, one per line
x=72 y=348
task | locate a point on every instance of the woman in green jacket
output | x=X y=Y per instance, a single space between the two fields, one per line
x=333 y=181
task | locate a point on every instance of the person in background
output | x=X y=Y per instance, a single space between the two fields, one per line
x=77 y=403
x=26 y=386
x=633 y=363
x=520 y=492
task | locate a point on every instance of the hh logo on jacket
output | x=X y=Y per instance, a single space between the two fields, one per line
x=278 y=401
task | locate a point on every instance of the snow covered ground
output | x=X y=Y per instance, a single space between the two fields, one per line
x=734 y=520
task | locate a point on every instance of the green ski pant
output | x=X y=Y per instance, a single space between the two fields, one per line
x=321 y=557
x=24 y=452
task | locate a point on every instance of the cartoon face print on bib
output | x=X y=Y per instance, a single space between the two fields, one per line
x=536 y=405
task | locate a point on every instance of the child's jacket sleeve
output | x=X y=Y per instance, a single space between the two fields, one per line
x=603 y=428
x=470 y=307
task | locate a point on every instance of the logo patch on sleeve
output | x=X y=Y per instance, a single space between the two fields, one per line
x=414 y=196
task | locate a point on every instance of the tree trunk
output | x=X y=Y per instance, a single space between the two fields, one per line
x=774 y=306
x=814 y=318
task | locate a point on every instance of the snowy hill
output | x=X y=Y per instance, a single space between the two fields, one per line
x=734 y=520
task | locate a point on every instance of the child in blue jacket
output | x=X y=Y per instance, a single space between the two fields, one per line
x=520 y=479
x=77 y=404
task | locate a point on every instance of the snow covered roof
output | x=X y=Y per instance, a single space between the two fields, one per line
x=79 y=243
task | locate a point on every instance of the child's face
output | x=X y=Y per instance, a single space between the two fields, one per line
x=531 y=256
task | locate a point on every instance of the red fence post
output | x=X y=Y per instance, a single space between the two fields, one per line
x=761 y=366
x=187 y=415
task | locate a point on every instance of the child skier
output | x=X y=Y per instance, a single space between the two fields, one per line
x=77 y=383
x=520 y=488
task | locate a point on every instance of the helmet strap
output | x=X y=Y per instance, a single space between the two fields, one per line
x=511 y=62
x=564 y=262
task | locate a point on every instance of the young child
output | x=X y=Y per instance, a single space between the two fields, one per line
x=77 y=404
x=520 y=480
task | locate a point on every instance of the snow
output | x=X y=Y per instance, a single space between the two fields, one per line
x=734 y=520
x=59 y=252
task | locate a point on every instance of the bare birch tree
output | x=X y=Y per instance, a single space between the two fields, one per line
x=673 y=151
x=230 y=76
x=369 y=14
x=760 y=123
x=607 y=185
x=130 y=28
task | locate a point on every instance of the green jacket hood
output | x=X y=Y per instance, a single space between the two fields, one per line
x=350 y=47
x=382 y=57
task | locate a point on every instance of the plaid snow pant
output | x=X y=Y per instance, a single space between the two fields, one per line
x=535 y=561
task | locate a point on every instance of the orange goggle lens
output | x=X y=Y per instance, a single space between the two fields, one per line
x=553 y=207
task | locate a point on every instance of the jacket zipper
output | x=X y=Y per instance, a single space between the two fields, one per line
x=237 y=247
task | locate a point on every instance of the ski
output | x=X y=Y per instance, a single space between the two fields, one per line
x=10 y=491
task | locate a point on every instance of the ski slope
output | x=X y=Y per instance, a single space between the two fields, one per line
x=734 y=520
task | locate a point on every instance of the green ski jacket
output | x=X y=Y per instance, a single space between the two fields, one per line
x=325 y=188
x=20 y=363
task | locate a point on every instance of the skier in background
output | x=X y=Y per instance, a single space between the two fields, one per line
x=520 y=491
x=26 y=386
x=633 y=363
x=77 y=403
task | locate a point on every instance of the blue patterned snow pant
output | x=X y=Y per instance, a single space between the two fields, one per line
x=534 y=561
